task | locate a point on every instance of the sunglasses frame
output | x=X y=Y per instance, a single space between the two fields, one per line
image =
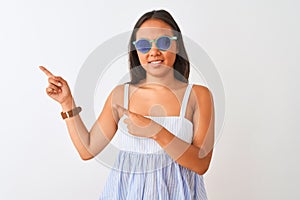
x=155 y=41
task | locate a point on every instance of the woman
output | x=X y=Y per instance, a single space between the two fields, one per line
x=164 y=126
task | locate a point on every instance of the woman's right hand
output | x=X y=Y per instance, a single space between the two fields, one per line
x=58 y=89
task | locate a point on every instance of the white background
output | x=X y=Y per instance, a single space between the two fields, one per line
x=254 y=45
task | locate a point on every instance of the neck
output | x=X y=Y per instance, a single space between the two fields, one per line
x=168 y=80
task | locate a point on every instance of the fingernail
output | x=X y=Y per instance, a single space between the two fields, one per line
x=59 y=84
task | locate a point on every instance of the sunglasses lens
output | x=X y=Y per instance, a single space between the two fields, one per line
x=143 y=45
x=163 y=43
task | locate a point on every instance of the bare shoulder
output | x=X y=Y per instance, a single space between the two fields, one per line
x=117 y=94
x=201 y=89
x=115 y=97
x=201 y=94
x=118 y=89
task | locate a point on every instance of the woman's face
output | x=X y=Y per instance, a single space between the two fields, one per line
x=156 y=62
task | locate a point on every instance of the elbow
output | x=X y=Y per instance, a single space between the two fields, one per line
x=85 y=154
x=86 y=157
x=204 y=166
x=202 y=171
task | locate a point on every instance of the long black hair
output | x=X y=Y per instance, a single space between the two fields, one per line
x=181 y=64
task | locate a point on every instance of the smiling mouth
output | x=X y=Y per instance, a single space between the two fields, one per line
x=156 y=62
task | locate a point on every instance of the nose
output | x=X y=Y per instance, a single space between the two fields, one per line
x=154 y=51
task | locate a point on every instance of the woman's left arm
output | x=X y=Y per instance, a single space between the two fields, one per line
x=195 y=156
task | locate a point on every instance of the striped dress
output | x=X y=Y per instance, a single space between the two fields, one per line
x=144 y=171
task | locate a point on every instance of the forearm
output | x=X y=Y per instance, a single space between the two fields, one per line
x=185 y=154
x=78 y=132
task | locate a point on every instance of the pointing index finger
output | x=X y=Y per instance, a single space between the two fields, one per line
x=46 y=71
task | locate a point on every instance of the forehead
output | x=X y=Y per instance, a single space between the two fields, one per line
x=154 y=28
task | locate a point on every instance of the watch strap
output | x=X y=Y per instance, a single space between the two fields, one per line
x=71 y=113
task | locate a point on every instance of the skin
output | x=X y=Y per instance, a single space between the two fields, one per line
x=160 y=94
x=153 y=29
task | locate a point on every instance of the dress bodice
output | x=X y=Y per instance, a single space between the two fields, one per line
x=177 y=125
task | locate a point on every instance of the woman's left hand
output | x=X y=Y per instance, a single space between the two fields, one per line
x=137 y=124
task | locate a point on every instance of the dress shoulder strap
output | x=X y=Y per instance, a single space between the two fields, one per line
x=185 y=100
x=126 y=95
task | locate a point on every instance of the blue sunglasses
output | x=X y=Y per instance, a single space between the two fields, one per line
x=163 y=43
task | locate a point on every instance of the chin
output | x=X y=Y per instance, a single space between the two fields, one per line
x=159 y=71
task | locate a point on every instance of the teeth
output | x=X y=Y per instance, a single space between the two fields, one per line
x=156 y=62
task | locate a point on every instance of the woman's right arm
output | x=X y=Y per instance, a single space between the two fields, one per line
x=87 y=143
x=90 y=143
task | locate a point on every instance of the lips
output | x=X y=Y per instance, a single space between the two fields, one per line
x=156 y=61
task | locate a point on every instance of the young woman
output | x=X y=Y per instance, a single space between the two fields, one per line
x=164 y=126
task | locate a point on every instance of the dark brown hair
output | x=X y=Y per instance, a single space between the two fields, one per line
x=181 y=64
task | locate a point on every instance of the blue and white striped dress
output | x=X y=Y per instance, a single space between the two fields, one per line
x=144 y=171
